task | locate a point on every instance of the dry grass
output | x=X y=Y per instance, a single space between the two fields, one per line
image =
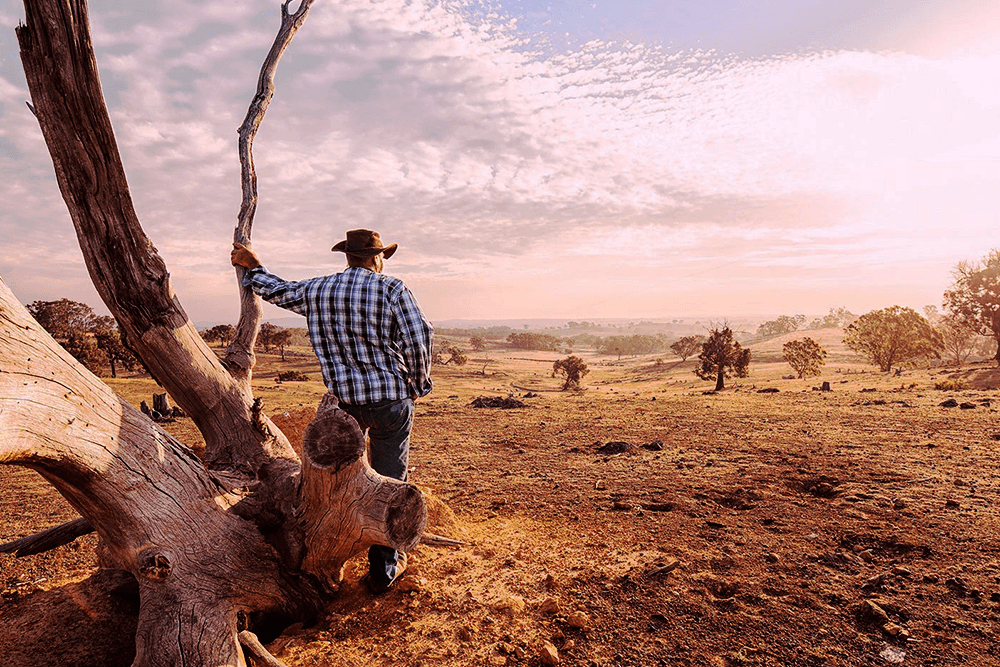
x=752 y=529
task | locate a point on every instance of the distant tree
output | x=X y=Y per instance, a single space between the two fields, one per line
x=108 y=339
x=281 y=339
x=974 y=298
x=534 y=341
x=63 y=317
x=574 y=368
x=782 y=325
x=83 y=347
x=92 y=339
x=805 y=356
x=722 y=357
x=454 y=356
x=687 y=345
x=477 y=342
x=893 y=336
x=960 y=340
x=266 y=336
x=220 y=333
x=631 y=345
x=838 y=318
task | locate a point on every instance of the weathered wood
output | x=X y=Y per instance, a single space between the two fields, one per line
x=336 y=481
x=159 y=513
x=257 y=651
x=161 y=404
x=239 y=354
x=128 y=273
x=48 y=539
x=249 y=531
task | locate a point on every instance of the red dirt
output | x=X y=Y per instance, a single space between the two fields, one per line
x=794 y=528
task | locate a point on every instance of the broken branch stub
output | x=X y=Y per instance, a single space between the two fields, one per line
x=344 y=505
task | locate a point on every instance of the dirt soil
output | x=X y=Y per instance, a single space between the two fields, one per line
x=641 y=521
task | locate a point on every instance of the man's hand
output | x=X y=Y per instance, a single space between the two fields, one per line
x=243 y=256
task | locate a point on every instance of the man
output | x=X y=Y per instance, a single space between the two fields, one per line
x=374 y=348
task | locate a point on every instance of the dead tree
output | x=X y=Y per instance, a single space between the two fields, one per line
x=249 y=529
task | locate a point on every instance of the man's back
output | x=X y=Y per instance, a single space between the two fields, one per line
x=371 y=339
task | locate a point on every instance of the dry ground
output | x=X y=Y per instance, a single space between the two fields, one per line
x=638 y=522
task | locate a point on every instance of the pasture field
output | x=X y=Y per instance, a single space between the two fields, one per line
x=640 y=521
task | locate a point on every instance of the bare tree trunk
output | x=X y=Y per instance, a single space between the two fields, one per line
x=127 y=271
x=249 y=529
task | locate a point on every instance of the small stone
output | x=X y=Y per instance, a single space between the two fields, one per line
x=519 y=653
x=892 y=629
x=579 y=620
x=898 y=504
x=549 y=654
x=875 y=612
x=901 y=571
x=550 y=581
x=621 y=506
x=771 y=557
x=550 y=606
x=867 y=556
x=967 y=406
x=410 y=584
x=503 y=648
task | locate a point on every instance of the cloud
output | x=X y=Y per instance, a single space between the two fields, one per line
x=480 y=148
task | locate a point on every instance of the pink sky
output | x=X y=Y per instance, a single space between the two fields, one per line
x=536 y=161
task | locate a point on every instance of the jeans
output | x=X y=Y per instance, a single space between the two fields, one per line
x=388 y=424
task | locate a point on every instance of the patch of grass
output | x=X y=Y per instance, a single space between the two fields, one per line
x=951 y=385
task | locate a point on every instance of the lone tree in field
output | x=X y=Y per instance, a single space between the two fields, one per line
x=220 y=333
x=574 y=368
x=974 y=298
x=893 y=336
x=722 y=357
x=805 y=356
x=92 y=339
x=248 y=532
x=685 y=346
x=959 y=339
x=454 y=356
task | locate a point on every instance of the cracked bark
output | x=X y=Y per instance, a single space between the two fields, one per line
x=247 y=531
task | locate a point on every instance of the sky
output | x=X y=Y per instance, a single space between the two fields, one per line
x=565 y=159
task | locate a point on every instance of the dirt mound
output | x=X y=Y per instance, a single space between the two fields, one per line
x=497 y=402
x=616 y=447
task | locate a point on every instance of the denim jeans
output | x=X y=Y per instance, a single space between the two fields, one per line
x=388 y=424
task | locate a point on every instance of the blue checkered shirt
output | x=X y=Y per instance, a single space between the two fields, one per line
x=372 y=340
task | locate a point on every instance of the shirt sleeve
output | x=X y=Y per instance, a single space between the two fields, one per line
x=416 y=342
x=282 y=293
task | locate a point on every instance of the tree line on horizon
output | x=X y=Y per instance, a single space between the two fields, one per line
x=888 y=338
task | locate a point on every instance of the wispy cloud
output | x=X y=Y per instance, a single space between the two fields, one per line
x=617 y=171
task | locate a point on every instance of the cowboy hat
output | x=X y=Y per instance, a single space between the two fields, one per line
x=364 y=243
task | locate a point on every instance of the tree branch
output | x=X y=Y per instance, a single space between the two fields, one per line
x=257 y=651
x=48 y=539
x=128 y=273
x=239 y=356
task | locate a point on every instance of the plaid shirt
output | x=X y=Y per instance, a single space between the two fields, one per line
x=372 y=340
